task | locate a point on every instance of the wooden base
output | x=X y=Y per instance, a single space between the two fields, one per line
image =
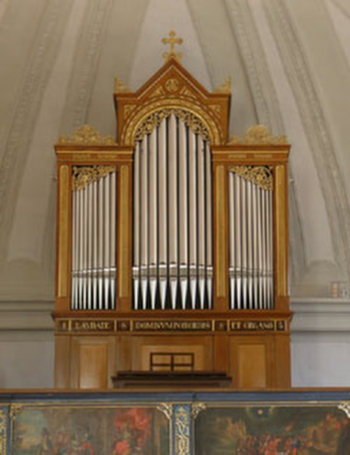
x=253 y=352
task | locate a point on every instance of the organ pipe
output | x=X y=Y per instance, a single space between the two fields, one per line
x=172 y=166
x=93 y=238
x=163 y=212
x=250 y=238
x=208 y=226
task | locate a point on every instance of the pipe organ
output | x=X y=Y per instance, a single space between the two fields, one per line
x=172 y=241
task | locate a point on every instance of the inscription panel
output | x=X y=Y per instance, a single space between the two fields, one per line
x=169 y=325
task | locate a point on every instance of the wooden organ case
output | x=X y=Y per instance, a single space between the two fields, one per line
x=172 y=242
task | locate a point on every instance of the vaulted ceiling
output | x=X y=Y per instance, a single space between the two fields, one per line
x=289 y=62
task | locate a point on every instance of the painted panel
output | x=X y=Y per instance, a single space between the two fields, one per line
x=272 y=430
x=76 y=430
x=180 y=423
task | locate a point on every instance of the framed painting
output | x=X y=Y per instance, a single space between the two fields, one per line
x=288 y=429
x=89 y=430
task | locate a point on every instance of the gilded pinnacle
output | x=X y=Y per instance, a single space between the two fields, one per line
x=172 y=41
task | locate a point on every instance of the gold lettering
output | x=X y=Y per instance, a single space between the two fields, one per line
x=171 y=325
x=93 y=326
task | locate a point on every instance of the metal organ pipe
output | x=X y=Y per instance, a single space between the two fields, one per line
x=173 y=207
x=173 y=170
x=250 y=238
x=232 y=235
x=153 y=220
x=94 y=238
x=183 y=214
x=201 y=221
x=112 y=234
x=193 y=218
x=163 y=213
x=137 y=216
x=237 y=262
x=144 y=224
x=100 y=243
x=75 y=227
x=208 y=225
x=269 y=251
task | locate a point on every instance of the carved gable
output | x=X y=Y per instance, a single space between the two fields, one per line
x=172 y=87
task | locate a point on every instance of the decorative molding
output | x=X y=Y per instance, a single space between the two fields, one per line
x=345 y=406
x=84 y=70
x=189 y=108
x=259 y=175
x=166 y=409
x=3 y=431
x=256 y=66
x=36 y=74
x=26 y=316
x=86 y=135
x=216 y=108
x=119 y=87
x=15 y=408
x=258 y=135
x=187 y=93
x=85 y=175
x=172 y=85
x=182 y=415
x=320 y=315
x=128 y=108
x=297 y=70
x=225 y=87
x=154 y=120
x=158 y=92
x=198 y=408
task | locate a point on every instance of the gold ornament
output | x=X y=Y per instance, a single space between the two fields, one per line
x=172 y=41
x=259 y=175
x=155 y=119
x=86 y=135
x=225 y=87
x=83 y=176
x=258 y=135
x=172 y=85
x=119 y=87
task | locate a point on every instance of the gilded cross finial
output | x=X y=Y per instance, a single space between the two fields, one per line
x=172 y=41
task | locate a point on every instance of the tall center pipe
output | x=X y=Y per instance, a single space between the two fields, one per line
x=173 y=203
x=183 y=212
x=173 y=207
x=163 y=212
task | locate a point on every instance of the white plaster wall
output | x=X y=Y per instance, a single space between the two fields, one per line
x=320 y=360
x=26 y=362
x=320 y=342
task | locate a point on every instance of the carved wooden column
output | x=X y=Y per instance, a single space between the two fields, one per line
x=124 y=234
x=281 y=237
x=220 y=237
x=63 y=237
